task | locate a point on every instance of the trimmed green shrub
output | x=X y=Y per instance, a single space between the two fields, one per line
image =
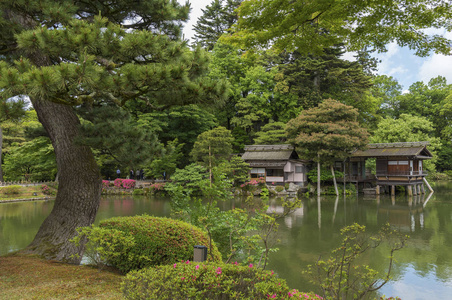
x=11 y=190
x=279 y=188
x=156 y=241
x=191 y=280
x=138 y=192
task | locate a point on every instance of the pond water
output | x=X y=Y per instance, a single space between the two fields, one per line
x=423 y=269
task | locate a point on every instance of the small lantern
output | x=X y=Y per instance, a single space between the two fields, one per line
x=199 y=253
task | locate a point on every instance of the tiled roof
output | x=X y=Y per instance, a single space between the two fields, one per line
x=416 y=149
x=267 y=152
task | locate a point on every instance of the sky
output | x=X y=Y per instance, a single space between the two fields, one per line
x=400 y=63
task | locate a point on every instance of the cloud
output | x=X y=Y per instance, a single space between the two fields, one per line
x=436 y=65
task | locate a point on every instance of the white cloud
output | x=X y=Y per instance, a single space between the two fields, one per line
x=436 y=65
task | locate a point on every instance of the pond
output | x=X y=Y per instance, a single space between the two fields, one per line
x=423 y=269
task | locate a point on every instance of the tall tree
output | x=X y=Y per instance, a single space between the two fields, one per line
x=90 y=60
x=10 y=110
x=409 y=128
x=312 y=26
x=212 y=147
x=327 y=133
x=216 y=19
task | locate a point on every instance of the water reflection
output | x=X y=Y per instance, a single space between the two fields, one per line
x=423 y=268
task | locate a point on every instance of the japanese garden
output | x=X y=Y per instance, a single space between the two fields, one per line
x=252 y=162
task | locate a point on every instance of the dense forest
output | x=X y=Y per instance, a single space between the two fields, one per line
x=265 y=90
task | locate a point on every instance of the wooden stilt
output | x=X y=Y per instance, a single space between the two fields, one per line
x=410 y=190
x=392 y=190
x=428 y=185
x=377 y=190
x=422 y=188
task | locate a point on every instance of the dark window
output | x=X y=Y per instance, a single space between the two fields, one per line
x=275 y=172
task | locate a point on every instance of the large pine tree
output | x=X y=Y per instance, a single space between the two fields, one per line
x=63 y=54
x=217 y=18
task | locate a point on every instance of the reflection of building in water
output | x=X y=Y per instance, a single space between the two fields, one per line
x=408 y=217
x=274 y=207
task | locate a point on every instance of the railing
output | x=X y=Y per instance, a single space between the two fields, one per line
x=23 y=183
x=402 y=173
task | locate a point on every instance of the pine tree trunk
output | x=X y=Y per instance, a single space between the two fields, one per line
x=79 y=187
x=1 y=151
x=318 y=176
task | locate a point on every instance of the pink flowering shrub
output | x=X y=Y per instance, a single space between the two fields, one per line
x=193 y=280
x=157 y=187
x=128 y=184
x=118 y=182
x=124 y=183
x=105 y=184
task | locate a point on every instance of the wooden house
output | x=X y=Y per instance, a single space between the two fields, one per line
x=278 y=164
x=397 y=164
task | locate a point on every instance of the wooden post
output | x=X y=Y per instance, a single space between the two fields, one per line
x=377 y=190
x=410 y=190
x=418 y=189
x=422 y=188
x=428 y=185
x=392 y=190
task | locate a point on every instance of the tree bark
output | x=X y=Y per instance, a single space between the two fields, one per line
x=334 y=180
x=79 y=187
x=318 y=175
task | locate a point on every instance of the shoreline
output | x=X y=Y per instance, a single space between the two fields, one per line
x=27 y=199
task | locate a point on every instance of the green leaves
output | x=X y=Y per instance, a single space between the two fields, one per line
x=312 y=26
x=329 y=130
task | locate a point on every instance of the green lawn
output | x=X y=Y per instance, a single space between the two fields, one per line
x=29 y=277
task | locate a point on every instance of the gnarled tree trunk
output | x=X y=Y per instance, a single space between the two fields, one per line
x=79 y=187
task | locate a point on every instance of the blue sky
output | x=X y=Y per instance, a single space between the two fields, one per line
x=400 y=63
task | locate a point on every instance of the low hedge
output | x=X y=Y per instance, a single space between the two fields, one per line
x=191 y=280
x=156 y=241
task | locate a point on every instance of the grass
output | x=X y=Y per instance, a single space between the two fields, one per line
x=29 y=277
x=25 y=192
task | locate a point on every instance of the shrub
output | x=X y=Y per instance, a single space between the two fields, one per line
x=46 y=190
x=155 y=187
x=105 y=184
x=11 y=190
x=118 y=182
x=155 y=241
x=124 y=183
x=279 y=188
x=138 y=192
x=191 y=280
x=128 y=184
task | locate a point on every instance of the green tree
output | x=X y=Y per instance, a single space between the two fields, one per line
x=216 y=19
x=313 y=26
x=409 y=128
x=211 y=147
x=90 y=60
x=165 y=161
x=327 y=133
x=183 y=123
x=272 y=133
x=10 y=110
x=314 y=78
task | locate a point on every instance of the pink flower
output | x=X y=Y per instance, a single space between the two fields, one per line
x=175 y=265
x=236 y=263
x=273 y=296
x=197 y=267
x=187 y=262
x=218 y=270
x=251 y=265
x=183 y=278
